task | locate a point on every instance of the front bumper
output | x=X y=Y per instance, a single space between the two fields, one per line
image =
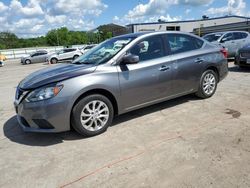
x=44 y=116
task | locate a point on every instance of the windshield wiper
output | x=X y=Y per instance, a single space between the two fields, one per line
x=84 y=62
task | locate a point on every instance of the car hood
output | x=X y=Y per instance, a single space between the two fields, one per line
x=55 y=74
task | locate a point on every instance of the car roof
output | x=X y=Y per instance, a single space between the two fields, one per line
x=133 y=35
x=41 y=51
x=226 y=32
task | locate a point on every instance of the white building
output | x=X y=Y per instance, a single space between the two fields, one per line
x=187 y=25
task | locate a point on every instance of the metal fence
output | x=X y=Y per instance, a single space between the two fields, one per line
x=19 y=52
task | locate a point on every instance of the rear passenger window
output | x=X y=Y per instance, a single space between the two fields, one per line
x=237 y=36
x=183 y=43
x=149 y=48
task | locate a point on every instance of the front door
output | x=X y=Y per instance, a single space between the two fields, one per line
x=142 y=83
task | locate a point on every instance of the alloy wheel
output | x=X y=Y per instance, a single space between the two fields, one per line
x=94 y=115
x=209 y=84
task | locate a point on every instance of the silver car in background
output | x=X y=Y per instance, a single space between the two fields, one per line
x=147 y=69
x=66 y=54
x=231 y=40
x=39 y=56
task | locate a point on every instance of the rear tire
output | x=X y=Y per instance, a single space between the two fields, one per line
x=207 y=85
x=53 y=61
x=92 y=115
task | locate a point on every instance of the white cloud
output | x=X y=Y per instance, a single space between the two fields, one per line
x=153 y=7
x=3 y=7
x=55 y=19
x=157 y=9
x=235 y=7
x=79 y=7
x=195 y=2
x=37 y=17
x=33 y=8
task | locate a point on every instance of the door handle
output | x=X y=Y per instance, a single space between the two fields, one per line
x=164 y=68
x=199 y=60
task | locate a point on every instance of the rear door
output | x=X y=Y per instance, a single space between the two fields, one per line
x=141 y=83
x=70 y=54
x=42 y=57
x=187 y=62
x=240 y=39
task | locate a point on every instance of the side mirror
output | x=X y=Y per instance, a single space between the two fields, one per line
x=130 y=59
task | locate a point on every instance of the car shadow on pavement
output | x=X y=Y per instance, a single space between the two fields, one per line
x=238 y=69
x=154 y=108
x=13 y=131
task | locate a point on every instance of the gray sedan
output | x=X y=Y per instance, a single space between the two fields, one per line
x=35 y=57
x=148 y=68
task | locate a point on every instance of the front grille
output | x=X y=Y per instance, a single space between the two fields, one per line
x=245 y=54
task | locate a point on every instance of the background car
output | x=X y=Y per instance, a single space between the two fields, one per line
x=87 y=48
x=35 y=57
x=231 y=40
x=64 y=55
x=243 y=57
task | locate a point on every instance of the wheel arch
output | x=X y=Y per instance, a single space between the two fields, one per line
x=100 y=91
x=28 y=59
x=215 y=69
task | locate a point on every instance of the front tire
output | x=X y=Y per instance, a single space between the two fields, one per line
x=75 y=57
x=207 y=85
x=27 y=61
x=53 y=61
x=92 y=115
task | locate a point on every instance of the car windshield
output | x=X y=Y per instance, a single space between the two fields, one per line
x=213 y=37
x=104 y=51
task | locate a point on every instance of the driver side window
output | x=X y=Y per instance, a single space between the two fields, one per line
x=149 y=48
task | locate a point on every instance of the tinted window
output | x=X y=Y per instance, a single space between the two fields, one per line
x=88 y=47
x=228 y=37
x=244 y=35
x=237 y=36
x=213 y=37
x=69 y=50
x=42 y=53
x=35 y=54
x=183 y=43
x=149 y=48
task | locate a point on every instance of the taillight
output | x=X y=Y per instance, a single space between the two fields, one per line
x=224 y=52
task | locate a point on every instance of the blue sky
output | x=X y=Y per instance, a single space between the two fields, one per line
x=29 y=18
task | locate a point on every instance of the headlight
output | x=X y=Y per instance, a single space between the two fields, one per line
x=43 y=93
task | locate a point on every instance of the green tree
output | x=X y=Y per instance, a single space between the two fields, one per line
x=8 y=40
